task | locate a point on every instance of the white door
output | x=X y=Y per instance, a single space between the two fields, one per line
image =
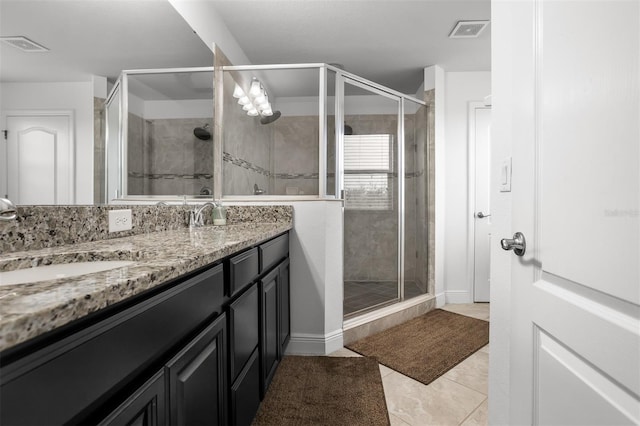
x=480 y=128
x=39 y=155
x=571 y=97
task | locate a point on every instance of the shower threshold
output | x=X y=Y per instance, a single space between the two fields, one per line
x=361 y=297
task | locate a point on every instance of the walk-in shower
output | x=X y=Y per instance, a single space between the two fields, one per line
x=337 y=135
x=286 y=132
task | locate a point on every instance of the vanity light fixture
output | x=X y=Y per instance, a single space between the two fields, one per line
x=256 y=102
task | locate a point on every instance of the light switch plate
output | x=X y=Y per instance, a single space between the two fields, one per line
x=505 y=175
x=119 y=220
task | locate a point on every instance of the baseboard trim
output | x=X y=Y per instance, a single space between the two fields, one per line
x=315 y=344
x=458 y=296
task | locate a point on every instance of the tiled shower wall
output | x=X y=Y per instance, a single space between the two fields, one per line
x=291 y=144
x=295 y=155
x=371 y=236
x=371 y=248
x=281 y=157
x=165 y=158
x=99 y=123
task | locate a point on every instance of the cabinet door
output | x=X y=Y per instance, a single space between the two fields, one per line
x=245 y=393
x=146 y=407
x=285 y=318
x=243 y=329
x=197 y=387
x=62 y=382
x=269 y=327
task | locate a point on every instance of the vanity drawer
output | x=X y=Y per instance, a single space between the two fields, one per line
x=62 y=382
x=273 y=252
x=243 y=270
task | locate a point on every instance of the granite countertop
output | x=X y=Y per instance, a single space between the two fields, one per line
x=28 y=310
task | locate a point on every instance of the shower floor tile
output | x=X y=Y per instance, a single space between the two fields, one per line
x=362 y=295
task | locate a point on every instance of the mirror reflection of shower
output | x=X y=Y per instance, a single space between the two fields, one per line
x=167 y=142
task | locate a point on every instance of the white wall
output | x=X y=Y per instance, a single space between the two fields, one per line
x=434 y=78
x=191 y=108
x=316 y=275
x=76 y=96
x=460 y=89
x=207 y=23
x=499 y=377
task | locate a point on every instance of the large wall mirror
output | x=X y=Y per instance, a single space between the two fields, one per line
x=56 y=97
x=159 y=140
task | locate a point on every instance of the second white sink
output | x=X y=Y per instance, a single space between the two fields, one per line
x=64 y=270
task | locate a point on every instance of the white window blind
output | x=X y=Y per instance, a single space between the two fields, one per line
x=368 y=168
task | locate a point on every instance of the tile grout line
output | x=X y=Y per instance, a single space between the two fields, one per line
x=473 y=411
x=403 y=422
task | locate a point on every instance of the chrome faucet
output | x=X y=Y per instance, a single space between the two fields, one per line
x=8 y=210
x=195 y=217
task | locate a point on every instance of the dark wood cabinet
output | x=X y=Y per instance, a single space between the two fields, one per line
x=270 y=344
x=146 y=407
x=196 y=377
x=245 y=392
x=244 y=329
x=199 y=350
x=284 y=307
x=69 y=379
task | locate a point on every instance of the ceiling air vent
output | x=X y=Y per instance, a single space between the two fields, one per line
x=468 y=29
x=23 y=44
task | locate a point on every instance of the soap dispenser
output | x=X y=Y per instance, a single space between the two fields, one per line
x=219 y=214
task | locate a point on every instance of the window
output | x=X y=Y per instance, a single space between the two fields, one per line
x=368 y=168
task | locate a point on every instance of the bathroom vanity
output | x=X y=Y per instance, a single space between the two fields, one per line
x=192 y=333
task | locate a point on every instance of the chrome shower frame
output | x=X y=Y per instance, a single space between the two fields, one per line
x=342 y=76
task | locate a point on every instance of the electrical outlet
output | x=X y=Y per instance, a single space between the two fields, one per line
x=119 y=220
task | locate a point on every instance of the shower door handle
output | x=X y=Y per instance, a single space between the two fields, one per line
x=481 y=215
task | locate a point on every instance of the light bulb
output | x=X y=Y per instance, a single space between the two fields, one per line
x=252 y=112
x=256 y=88
x=248 y=107
x=261 y=99
x=238 y=92
x=267 y=112
x=244 y=100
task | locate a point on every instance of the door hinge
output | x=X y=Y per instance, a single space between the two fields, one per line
x=5 y=132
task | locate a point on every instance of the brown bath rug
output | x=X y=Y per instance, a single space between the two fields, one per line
x=428 y=346
x=309 y=390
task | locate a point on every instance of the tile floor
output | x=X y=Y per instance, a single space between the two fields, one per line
x=459 y=397
x=361 y=295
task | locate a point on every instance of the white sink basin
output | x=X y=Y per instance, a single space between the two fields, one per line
x=64 y=270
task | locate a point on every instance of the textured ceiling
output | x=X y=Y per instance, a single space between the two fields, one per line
x=389 y=42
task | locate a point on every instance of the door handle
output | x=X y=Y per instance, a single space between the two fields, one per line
x=518 y=244
x=481 y=215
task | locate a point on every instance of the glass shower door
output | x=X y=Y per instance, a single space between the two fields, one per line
x=369 y=134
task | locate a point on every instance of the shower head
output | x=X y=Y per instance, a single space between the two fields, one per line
x=270 y=118
x=202 y=133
